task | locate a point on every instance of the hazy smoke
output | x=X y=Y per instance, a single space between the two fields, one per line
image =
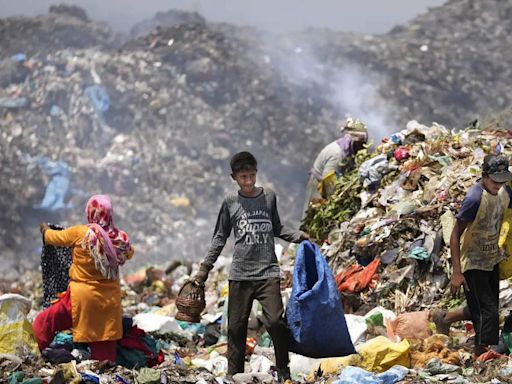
x=357 y=94
x=349 y=89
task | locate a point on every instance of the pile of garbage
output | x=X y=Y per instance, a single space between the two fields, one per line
x=392 y=346
x=386 y=228
x=65 y=26
x=446 y=65
x=152 y=119
x=152 y=124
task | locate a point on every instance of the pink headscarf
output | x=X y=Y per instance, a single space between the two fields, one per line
x=109 y=246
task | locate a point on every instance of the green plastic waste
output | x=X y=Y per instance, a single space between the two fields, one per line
x=17 y=378
x=377 y=319
x=419 y=253
x=265 y=340
x=507 y=339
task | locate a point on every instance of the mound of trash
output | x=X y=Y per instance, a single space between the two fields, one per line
x=386 y=228
x=65 y=26
x=154 y=125
x=153 y=119
x=446 y=65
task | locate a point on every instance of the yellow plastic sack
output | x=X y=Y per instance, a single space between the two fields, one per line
x=380 y=354
x=333 y=365
x=505 y=242
x=326 y=187
x=16 y=332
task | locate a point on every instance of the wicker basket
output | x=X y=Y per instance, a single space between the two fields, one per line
x=190 y=302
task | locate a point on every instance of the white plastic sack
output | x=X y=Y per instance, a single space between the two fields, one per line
x=216 y=364
x=151 y=322
x=356 y=327
x=301 y=366
x=260 y=364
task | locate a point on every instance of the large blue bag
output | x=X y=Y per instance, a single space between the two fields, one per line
x=315 y=312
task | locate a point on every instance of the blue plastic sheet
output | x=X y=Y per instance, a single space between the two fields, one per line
x=356 y=375
x=58 y=186
x=315 y=312
x=19 y=57
x=394 y=374
x=90 y=378
x=99 y=98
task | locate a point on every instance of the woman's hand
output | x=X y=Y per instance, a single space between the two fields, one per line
x=305 y=236
x=43 y=227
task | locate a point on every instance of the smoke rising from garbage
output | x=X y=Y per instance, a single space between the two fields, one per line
x=348 y=88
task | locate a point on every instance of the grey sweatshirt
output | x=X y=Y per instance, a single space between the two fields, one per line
x=255 y=222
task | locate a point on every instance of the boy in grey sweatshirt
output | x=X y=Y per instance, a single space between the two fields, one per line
x=252 y=215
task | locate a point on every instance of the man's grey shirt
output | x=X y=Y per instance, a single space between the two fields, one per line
x=255 y=222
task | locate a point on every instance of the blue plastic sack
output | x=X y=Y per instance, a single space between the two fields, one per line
x=99 y=98
x=315 y=312
x=58 y=186
x=393 y=375
x=356 y=375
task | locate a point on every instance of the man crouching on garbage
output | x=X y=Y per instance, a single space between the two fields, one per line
x=474 y=249
x=252 y=214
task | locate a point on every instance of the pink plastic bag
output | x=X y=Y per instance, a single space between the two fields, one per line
x=409 y=325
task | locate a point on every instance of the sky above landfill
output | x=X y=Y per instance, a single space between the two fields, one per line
x=367 y=16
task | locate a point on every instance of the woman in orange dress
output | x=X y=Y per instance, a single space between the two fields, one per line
x=92 y=304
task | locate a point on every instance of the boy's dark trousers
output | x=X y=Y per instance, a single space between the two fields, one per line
x=241 y=296
x=483 y=302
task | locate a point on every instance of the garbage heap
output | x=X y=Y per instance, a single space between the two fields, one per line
x=153 y=124
x=152 y=119
x=392 y=346
x=398 y=207
x=446 y=65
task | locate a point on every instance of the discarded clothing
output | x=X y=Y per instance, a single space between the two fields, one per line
x=136 y=350
x=58 y=317
x=372 y=170
x=357 y=278
x=55 y=263
x=19 y=378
